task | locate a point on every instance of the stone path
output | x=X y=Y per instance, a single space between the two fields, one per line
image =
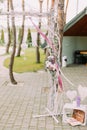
x=19 y=103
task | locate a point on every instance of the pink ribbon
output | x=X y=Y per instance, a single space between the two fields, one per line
x=43 y=35
x=60 y=82
x=59 y=77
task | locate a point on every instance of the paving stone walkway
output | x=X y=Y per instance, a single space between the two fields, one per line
x=19 y=103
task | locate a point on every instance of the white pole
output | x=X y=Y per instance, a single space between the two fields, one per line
x=52 y=115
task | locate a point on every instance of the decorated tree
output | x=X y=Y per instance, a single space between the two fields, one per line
x=53 y=62
x=60 y=24
x=29 y=38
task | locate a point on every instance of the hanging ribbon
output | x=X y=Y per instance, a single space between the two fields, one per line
x=43 y=35
x=60 y=82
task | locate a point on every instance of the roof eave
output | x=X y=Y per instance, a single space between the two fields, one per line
x=75 y=19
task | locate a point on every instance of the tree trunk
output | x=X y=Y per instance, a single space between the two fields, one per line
x=37 y=47
x=60 y=22
x=38 y=37
x=22 y=33
x=52 y=3
x=13 y=81
x=8 y=27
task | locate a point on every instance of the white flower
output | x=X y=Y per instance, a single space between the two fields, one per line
x=48 y=64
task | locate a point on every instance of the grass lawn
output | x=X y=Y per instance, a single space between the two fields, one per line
x=27 y=62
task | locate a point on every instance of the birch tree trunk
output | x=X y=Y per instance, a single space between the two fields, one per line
x=8 y=28
x=22 y=32
x=13 y=81
x=38 y=37
x=52 y=3
x=60 y=22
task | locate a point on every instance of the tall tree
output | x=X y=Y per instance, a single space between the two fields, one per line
x=52 y=3
x=37 y=48
x=38 y=36
x=59 y=26
x=13 y=81
x=19 y=35
x=11 y=36
x=22 y=32
x=8 y=28
x=29 y=38
x=60 y=22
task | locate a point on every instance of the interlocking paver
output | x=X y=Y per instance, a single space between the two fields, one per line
x=19 y=103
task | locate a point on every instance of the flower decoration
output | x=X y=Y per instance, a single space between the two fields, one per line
x=50 y=64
